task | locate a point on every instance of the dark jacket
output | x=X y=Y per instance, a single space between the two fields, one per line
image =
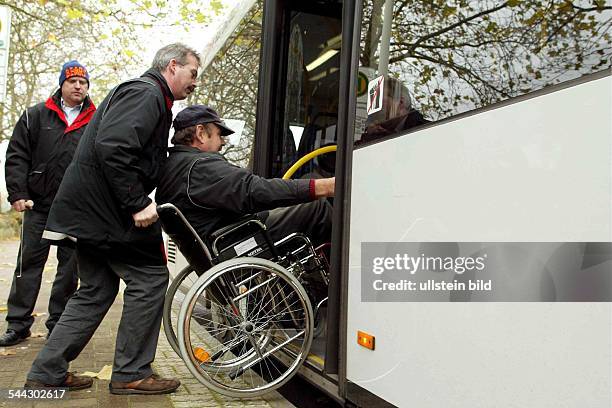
x=41 y=149
x=213 y=193
x=115 y=167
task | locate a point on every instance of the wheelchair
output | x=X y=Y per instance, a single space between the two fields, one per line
x=244 y=304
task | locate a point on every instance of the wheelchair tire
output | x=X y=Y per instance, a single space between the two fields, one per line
x=175 y=296
x=267 y=311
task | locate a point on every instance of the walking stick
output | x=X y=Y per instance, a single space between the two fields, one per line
x=29 y=205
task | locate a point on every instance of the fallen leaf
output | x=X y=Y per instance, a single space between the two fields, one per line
x=3 y=309
x=38 y=314
x=38 y=334
x=104 y=374
x=5 y=352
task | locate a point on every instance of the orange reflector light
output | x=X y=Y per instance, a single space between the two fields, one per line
x=201 y=354
x=365 y=340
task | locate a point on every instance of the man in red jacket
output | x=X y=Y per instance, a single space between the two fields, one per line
x=40 y=149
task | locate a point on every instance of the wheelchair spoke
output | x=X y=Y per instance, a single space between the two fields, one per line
x=254 y=289
x=273 y=350
x=255 y=310
x=247 y=280
x=255 y=345
x=278 y=294
x=271 y=317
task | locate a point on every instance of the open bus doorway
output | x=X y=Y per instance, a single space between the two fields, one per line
x=298 y=113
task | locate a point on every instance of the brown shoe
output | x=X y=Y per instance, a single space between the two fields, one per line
x=153 y=384
x=72 y=382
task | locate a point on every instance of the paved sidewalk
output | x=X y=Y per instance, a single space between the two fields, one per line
x=97 y=354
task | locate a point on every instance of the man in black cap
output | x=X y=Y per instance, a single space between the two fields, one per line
x=213 y=193
x=40 y=149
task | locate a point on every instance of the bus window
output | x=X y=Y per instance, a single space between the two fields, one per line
x=422 y=62
x=311 y=94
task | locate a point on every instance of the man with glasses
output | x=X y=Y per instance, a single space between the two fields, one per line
x=103 y=207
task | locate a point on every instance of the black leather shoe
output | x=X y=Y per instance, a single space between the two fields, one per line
x=11 y=337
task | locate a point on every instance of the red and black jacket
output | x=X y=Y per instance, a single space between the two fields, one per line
x=41 y=149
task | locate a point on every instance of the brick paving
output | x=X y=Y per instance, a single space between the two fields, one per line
x=97 y=354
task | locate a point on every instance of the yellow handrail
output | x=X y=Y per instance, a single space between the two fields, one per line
x=305 y=158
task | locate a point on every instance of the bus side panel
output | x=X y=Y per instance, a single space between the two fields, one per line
x=538 y=170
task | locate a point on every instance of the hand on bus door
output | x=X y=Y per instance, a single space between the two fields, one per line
x=146 y=216
x=22 y=205
x=325 y=187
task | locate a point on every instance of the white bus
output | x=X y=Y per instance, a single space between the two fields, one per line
x=471 y=261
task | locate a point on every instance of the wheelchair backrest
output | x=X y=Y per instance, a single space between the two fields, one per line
x=186 y=238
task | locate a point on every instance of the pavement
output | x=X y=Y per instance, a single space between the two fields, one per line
x=15 y=361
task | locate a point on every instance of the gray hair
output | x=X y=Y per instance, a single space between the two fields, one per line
x=177 y=51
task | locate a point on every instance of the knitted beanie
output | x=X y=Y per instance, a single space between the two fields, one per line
x=73 y=69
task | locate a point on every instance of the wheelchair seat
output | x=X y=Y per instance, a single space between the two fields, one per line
x=246 y=237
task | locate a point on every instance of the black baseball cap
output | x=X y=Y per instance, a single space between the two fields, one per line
x=199 y=114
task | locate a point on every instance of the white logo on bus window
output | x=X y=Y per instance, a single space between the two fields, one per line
x=375 y=94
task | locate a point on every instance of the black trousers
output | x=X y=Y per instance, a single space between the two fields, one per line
x=31 y=261
x=143 y=301
x=314 y=219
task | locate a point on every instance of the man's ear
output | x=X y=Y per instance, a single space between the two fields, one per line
x=200 y=134
x=172 y=66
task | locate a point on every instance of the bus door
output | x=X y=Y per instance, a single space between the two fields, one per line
x=297 y=113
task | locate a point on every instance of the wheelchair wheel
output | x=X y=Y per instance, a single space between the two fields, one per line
x=265 y=315
x=175 y=296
